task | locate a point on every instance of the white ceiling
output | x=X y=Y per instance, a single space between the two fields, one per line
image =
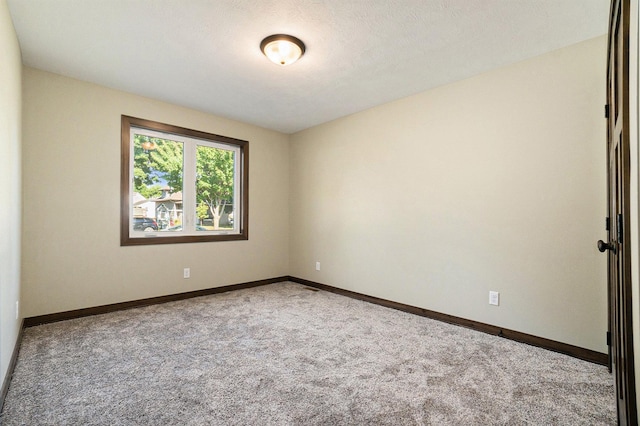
x=204 y=54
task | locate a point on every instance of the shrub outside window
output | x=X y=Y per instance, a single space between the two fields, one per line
x=181 y=186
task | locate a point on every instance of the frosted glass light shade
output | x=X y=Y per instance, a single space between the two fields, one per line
x=282 y=49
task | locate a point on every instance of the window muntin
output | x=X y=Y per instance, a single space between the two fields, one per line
x=181 y=185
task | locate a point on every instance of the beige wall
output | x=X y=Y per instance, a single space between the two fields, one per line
x=10 y=125
x=493 y=183
x=72 y=256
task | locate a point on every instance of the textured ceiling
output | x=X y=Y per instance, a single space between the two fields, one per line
x=205 y=54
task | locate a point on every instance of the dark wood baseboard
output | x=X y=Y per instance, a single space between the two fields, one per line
x=564 y=348
x=552 y=345
x=104 y=309
x=11 y=368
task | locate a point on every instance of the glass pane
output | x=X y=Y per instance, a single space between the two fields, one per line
x=214 y=188
x=157 y=184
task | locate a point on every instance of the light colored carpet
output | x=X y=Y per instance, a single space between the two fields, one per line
x=285 y=355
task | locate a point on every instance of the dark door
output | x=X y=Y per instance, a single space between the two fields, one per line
x=619 y=262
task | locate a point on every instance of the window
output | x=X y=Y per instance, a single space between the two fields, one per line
x=181 y=186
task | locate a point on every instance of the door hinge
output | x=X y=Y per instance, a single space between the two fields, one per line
x=606 y=111
x=620 y=230
x=607 y=224
x=608 y=338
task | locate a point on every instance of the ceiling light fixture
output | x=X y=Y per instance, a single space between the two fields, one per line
x=282 y=49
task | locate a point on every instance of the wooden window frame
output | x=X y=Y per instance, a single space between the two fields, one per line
x=126 y=211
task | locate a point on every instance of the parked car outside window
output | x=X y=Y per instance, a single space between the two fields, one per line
x=144 y=224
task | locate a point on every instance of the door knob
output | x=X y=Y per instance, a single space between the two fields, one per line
x=602 y=247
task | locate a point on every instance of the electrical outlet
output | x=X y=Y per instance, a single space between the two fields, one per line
x=317 y=266
x=187 y=272
x=17 y=309
x=494 y=298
